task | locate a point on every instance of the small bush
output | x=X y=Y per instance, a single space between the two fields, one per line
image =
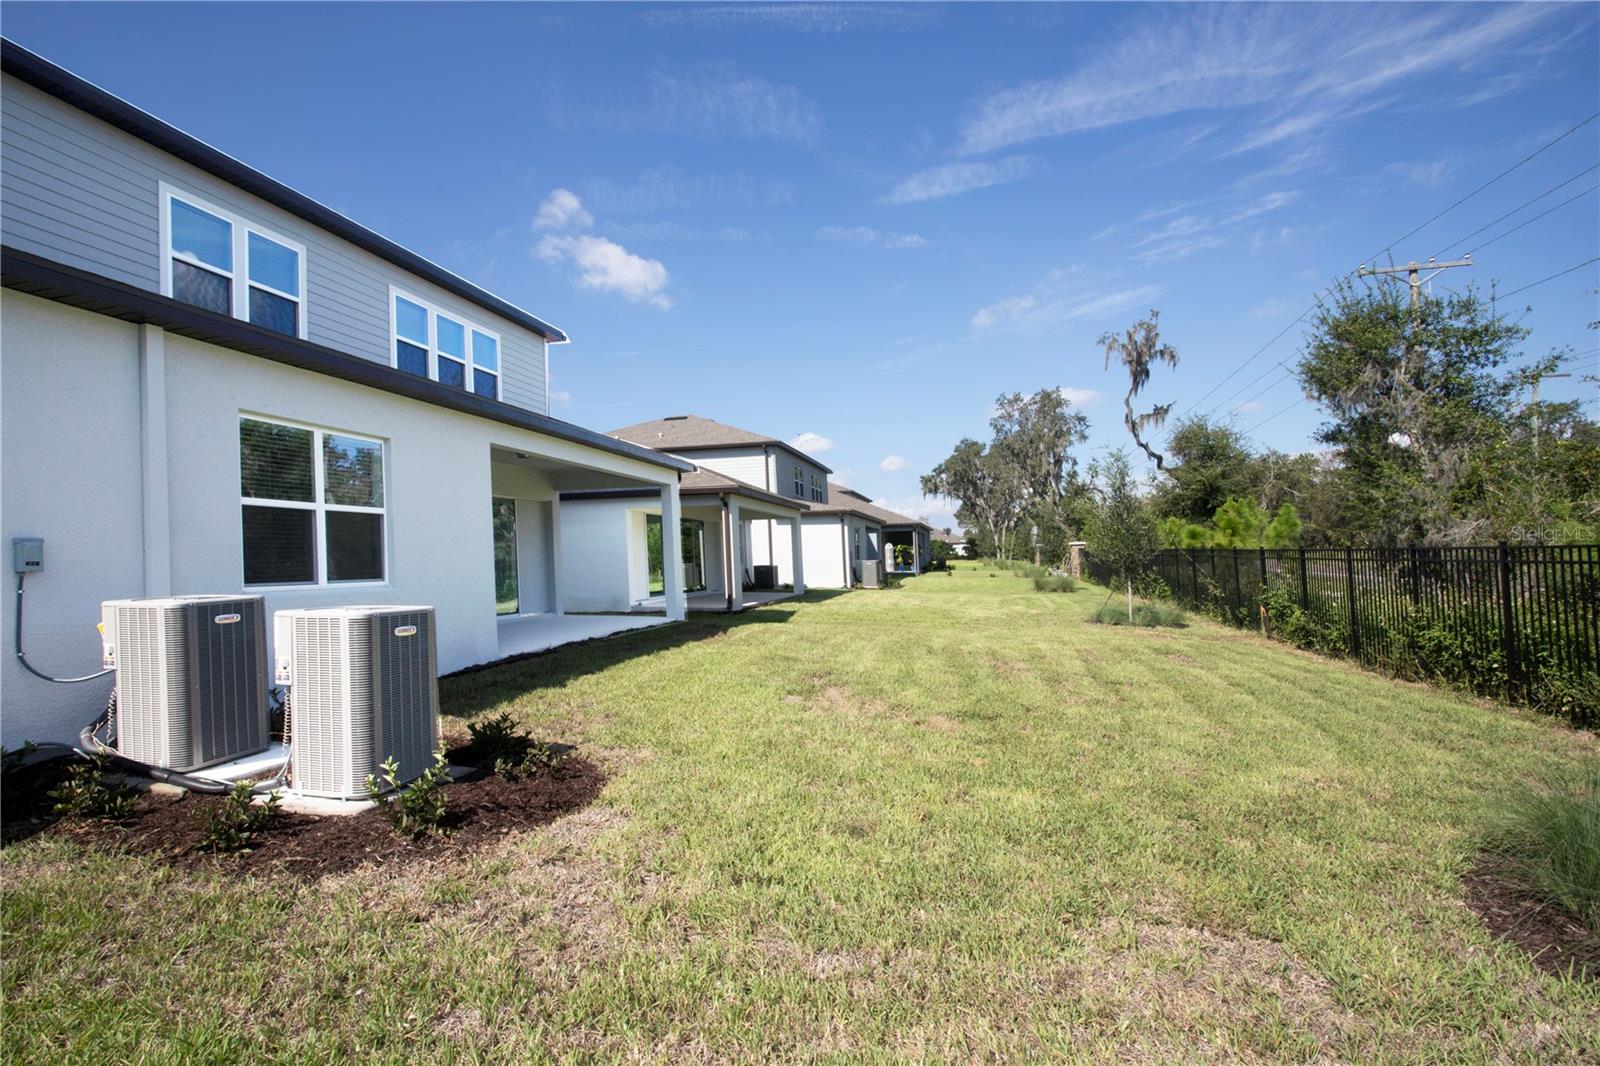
x=1051 y=583
x=1149 y=615
x=234 y=825
x=421 y=807
x=87 y=794
x=1548 y=838
x=499 y=744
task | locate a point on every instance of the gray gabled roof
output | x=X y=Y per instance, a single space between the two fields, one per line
x=687 y=433
x=42 y=74
x=706 y=482
x=855 y=503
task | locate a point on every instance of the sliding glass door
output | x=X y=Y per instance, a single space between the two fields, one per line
x=505 y=556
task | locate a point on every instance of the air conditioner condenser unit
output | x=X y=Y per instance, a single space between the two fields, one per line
x=191 y=680
x=363 y=688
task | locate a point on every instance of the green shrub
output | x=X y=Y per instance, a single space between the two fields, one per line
x=235 y=823
x=87 y=794
x=1050 y=583
x=511 y=753
x=1548 y=838
x=1144 y=614
x=421 y=807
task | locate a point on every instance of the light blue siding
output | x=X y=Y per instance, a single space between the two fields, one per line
x=81 y=192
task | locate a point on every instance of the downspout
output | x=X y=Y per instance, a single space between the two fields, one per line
x=727 y=553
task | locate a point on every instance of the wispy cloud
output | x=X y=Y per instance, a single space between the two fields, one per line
x=1273 y=308
x=560 y=396
x=562 y=210
x=711 y=101
x=672 y=188
x=606 y=266
x=949 y=179
x=1009 y=309
x=811 y=443
x=1182 y=235
x=1425 y=173
x=673 y=231
x=1302 y=67
x=871 y=237
x=1053 y=303
x=793 y=18
x=892 y=463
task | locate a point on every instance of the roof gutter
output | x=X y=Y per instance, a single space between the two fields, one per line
x=32 y=274
x=62 y=84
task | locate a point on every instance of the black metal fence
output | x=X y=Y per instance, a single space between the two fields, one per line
x=1520 y=622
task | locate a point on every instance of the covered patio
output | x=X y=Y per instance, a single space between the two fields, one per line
x=524 y=635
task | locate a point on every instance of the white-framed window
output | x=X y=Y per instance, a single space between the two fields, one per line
x=215 y=259
x=313 y=505
x=442 y=345
x=817 y=493
x=799 y=482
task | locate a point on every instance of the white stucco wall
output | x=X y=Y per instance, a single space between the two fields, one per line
x=824 y=558
x=69 y=472
x=72 y=475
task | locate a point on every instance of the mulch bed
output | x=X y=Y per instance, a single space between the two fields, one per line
x=1556 y=941
x=482 y=808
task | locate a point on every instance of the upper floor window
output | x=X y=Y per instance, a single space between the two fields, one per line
x=799 y=482
x=216 y=260
x=817 y=493
x=436 y=344
x=312 y=502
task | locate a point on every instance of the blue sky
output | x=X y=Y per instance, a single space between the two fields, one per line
x=862 y=224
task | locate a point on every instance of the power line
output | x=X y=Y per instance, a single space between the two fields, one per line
x=1535 y=218
x=1515 y=166
x=1526 y=203
x=1247 y=385
x=1270 y=417
x=1525 y=159
x=1552 y=277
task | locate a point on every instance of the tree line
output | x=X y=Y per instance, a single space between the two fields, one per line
x=1428 y=436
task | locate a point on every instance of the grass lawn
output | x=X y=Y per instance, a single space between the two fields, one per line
x=946 y=821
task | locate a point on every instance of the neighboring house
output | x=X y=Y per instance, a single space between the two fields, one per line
x=957 y=541
x=893 y=530
x=751 y=492
x=213 y=384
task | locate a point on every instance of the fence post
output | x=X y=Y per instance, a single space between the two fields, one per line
x=1350 y=595
x=1194 y=580
x=1261 y=612
x=1416 y=578
x=1305 y=588
x=1508 y=637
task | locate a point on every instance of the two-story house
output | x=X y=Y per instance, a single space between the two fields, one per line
x=213 y=383
x=771 y=502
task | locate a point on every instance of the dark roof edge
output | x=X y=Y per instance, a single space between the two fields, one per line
x=93 y=100
x=772 y=442
x=744 y=488
x=29 y=273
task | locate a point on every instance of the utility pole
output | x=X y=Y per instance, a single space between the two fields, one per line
x=1534 y=386
x=1414 y=270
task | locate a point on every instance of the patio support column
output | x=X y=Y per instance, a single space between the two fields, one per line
x=735 y=557
x=672 y=554
x=799 y=555
x=558 y=587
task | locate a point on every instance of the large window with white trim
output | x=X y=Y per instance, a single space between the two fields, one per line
x=224 y=263
x=444 y=346
x=817 y=492
x=313 y=504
